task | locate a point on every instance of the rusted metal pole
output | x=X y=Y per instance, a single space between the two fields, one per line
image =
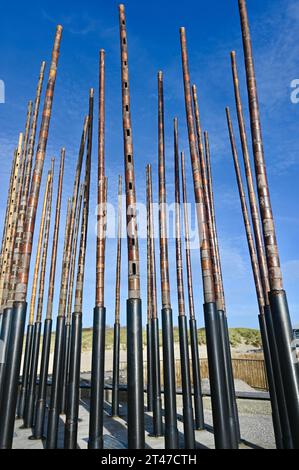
x=278 y=299
x=257 y=281
x=99 y=314
x=136 y=433
x=19 y=310
x=30 y=329
x=157 y=401
x=189 y=435
x=66 y=354
x=198 y=402
x=149 y=346
x=44 y=367
x=56 y=389
x=31 y=390
x=265 y=316
x=73 y=391
x=215 y=352
x=171 y=431
x=116 y=342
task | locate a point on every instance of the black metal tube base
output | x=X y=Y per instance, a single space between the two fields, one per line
x=115 y=381
x=65 y=368
x=189 y=434
x=198 y=401
x=11 y=379
x=171 y=430
x=31 y=392
x=4 y=338
x=97 y=380
x=73 y=391
x=157 y=400
x=229 y=380
x=40 y=408
x=25 y=374
x=279 y=385
x=53 y=416
x=149 y=347
x=136 y=429
x=217 y=378
x=271 y=383
x=288 y=358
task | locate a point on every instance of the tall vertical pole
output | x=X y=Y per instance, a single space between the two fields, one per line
x=277 y=296
x=198 y=401
x=149 y=345
x=189 y=434
x=157 y=400
x=68 y=323
x=116 y=342
x=55 y=401
x=31 y=389
x=73 y=391
x=171 y=431
x=99 y=314
x=14 y=353
x=266 y=319
x=215 y=351
x=30 y=329
x=44 y=367
x=136 y=433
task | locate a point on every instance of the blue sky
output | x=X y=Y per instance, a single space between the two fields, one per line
x=213 y=30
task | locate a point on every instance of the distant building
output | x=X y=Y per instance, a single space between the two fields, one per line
x=296 y=334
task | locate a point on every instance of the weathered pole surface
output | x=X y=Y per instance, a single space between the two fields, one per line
x=277 y=296
x=267 y=315
x=257 y=282
x=198 y=401
x=19 y=309
x=21 y=177
x=68 y=323
x=171 y=431
x=189 y=435
x=25 y=192
x=215 y=351
x=30 y=329
x=31 y=389
x=44 y=367
x=73 y=391
x=219 y=291
x=136 y=432
x=55 y=401
x=99 y=320
x=8 y=247
x=116 y=342
x=149 y=346
x=235 y=424
x=157 y=400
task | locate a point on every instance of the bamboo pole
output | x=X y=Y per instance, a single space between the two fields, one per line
x=157 y=401
x=136 y=435
x=198 y=402
x=42 y=389
x=25 y=191
x=72 y=410
x=189 y=434
x=149 y=345
x=171 y=432
x=257 y=280
x=266 y=322
x=30 y=397
x=220 y=400
x=116 y=342
x=278 y=299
